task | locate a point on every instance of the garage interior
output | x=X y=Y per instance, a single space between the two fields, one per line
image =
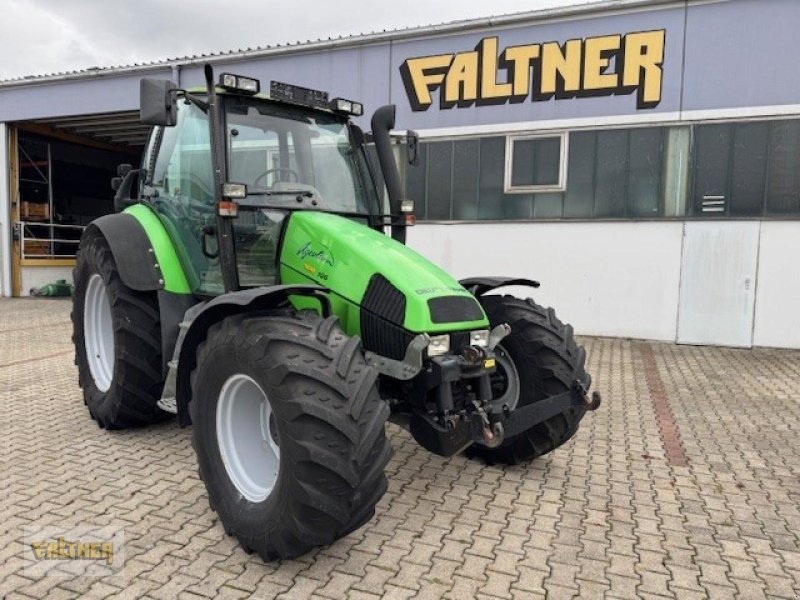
x=61 y=172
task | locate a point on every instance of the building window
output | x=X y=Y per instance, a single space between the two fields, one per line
x=710 y=170
x=783 y=174
x=535 y=163
x=746 y=169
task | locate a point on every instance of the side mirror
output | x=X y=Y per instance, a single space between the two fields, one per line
x=115 y=183
x=157 y=104
x=123 y=169
x=412 y=143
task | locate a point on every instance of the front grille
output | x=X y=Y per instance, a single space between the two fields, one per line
x=383 y=337
x=383 y=313
x=384 y=300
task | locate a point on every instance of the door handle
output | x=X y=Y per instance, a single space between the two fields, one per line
x=208 y=231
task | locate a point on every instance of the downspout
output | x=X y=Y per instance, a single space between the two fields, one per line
x=176 y=75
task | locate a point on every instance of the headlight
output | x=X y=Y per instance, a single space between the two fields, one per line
x=479 y=338
x=440 y=344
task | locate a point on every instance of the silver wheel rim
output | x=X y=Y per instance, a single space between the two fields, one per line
x=98 y=333
x=247 y=437
x=507 y=369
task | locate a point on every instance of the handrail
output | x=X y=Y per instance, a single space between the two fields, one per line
x=48 y=251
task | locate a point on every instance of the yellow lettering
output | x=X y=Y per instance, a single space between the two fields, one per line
x=576 y=68
x=644 y=55
x=490 y=89
x=462 y=79
x=421 y=75
x=39 y=549
x=108 y=552
x=595 y=62
x=566 y=64
x=520 y=57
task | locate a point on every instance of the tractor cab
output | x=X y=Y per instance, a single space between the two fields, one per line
x=288 y=150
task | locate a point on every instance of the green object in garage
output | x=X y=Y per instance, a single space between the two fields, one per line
x=56 y=288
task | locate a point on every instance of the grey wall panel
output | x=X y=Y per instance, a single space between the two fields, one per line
x=742 y=53
x=671 y=19
x=739 y=53
x=73 y=97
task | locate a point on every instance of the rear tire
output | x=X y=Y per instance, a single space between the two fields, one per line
x=547 y=361
x=328 y=427
x=117 y=337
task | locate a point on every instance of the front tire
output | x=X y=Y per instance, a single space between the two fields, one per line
x=538 y=359
x=304 y=465
x=117 y=337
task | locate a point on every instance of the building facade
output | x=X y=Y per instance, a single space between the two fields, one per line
x=640 y=159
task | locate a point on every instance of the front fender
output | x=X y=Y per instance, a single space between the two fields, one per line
x=481 y=285
x=199 y=319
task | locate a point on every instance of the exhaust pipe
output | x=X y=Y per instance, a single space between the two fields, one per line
x=382 y=123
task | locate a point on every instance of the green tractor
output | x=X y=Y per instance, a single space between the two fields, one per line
x=246 y=284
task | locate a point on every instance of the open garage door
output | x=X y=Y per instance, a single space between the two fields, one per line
x=61 y=171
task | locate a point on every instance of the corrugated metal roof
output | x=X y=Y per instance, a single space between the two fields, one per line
x=385 y=35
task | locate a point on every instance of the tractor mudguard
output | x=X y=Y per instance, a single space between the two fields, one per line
x=480 y=285
x=132 y=251
x=147 y=262
x=199 y=318
x=143 y=251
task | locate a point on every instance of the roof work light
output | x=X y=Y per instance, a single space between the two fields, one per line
x=246 y=85
x=347 y=106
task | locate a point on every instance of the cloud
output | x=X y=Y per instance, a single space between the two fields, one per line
x=35 y=40
x=46 y=36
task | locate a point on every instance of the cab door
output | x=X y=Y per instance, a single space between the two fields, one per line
x=181 y=191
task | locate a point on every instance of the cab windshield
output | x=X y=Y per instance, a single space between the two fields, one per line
x=291 y=157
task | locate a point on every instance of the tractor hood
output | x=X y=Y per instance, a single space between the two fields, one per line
x=368 y=272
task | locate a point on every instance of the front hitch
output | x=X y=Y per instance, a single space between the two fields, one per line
x=492 y=428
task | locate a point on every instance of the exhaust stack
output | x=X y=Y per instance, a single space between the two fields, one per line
x=382 y=123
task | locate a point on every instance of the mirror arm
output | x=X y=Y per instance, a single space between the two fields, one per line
x=201 y=104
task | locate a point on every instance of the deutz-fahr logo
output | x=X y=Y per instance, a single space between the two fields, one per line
x=579 y=68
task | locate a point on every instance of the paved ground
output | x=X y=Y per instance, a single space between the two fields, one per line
x=686 y=484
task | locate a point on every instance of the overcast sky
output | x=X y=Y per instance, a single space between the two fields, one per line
x=48 y=36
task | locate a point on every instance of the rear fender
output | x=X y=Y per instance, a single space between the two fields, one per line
x=146 y=262
x=133 y=253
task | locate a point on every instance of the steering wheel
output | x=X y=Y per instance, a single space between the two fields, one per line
x=268 y=172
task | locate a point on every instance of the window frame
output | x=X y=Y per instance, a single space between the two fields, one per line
x=561 y=186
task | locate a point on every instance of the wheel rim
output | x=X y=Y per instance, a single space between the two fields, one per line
x=98 y=328
x=505 y=381
x=247 y=437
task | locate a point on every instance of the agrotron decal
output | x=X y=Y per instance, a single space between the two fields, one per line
x=578 y=68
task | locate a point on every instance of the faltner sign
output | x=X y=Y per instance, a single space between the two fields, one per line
x=579 y=68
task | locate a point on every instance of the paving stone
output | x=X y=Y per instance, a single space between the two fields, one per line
x=607 y=514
